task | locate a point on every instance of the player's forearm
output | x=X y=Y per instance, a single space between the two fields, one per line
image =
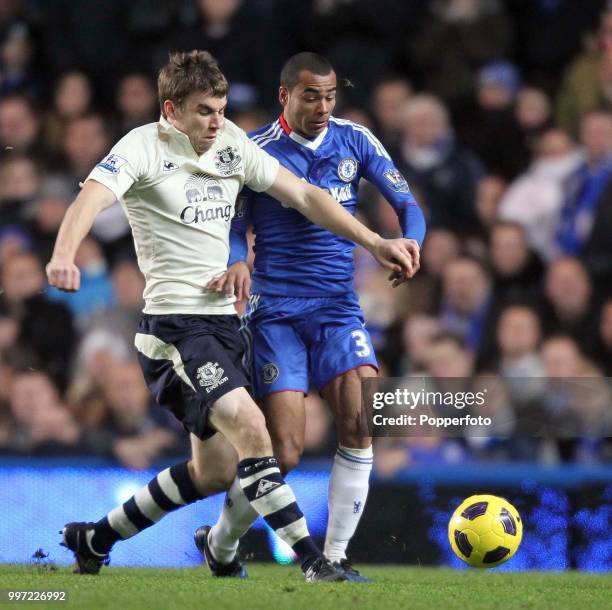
x=325 y=211
x=413 y=223
x=75 y=226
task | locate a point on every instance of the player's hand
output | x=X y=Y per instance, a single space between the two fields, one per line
x=399 y=277
x=401 y=256
x=236 y=280
x=63 y=274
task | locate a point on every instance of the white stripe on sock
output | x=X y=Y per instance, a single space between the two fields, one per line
x=293 y=532
x=119 y=521
x=276 y=500
x=169 y=487
x=148 y=506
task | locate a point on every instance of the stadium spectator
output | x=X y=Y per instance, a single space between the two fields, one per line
x=250 y=118
x=444 y=175
x=587 y=184
x=425 y=289
x=95 y=293
x=535 y=198
x=581 y=89
x=42 y=424
x=489 y=191
x=493 y=121
x=573 y=405
x=569 y=308
x=19 y=126
x=518 y=338
x=477 y=31
x=86 y=141
x=136 y=102
x=47 y=210
x=85 y=144
x=135 y=431
x=517 y=270
x=533 y=113
x=19 y=185
x=89 y=35
x=72 y=99
x=120 y=321
x=17 y=55
x=388 y=98
x=46 y=333
x=237 y=35
x=466 y=303
x=597 y=247
x=417 y=336
x=604 y=347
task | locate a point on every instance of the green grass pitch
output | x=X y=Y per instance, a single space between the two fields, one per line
x=273 y=587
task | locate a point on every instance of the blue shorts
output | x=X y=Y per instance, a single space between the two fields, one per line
x=189 y=362
x=294 y=339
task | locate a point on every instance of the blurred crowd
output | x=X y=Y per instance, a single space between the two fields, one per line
x=499 y=114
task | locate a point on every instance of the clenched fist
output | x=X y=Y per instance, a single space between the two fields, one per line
x=63 y=274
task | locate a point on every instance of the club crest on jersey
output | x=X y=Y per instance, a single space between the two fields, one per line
x=111 y=164
x=396 y=181
x=210 y=376
x=347 y=169
x=269 y=373
x=227 y=160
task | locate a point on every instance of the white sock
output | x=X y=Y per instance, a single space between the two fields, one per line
x=234 y=521
x=348 y=491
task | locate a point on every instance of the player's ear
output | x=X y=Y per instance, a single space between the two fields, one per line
x=283 y=95
x=170 y=109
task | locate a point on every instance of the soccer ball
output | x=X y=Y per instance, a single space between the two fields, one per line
x=485 y=531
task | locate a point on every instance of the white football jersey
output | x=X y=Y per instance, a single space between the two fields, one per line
x=180 y=206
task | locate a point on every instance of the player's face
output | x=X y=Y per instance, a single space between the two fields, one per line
x=310 y=103
x=200 y=116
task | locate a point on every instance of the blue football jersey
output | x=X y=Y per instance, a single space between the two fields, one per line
x=293 y=256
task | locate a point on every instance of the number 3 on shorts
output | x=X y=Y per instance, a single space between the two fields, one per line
x=362 y=343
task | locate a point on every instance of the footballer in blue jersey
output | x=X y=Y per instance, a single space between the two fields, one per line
x=303 y=320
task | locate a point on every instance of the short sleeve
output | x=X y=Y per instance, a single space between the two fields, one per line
x=260 y=168
x=122 y=167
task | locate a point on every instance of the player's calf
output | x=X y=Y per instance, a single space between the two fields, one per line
x=237 y=417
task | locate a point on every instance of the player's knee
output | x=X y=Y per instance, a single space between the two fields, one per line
x=254 y=432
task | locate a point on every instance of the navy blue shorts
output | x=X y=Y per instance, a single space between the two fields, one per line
x=189 y=362
x=295 y=339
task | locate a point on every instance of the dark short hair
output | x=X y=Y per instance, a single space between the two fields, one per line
x=311 y=62
x=187 y=72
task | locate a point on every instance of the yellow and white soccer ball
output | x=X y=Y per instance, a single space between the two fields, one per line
x=485 y=531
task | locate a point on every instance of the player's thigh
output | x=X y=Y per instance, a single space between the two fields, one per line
x=343 y=394
x=285 y=414
x=214 y=462
x=189 y=362
x=279 y=358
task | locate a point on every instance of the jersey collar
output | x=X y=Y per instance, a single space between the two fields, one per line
x=182 y=139
x=312 y=144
